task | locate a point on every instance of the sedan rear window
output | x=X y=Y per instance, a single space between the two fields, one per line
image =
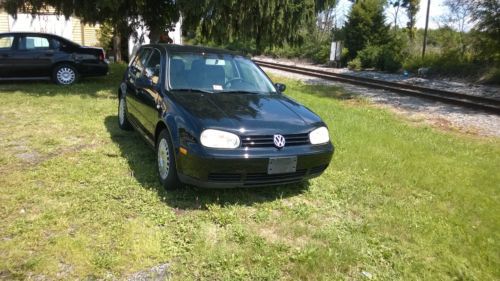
x=32 y=42
x=217 y=73
x=6 y=42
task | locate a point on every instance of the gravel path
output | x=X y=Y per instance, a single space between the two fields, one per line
x=454 y=86
x=444 y=116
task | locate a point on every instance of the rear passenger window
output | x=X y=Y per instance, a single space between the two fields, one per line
x=33 y=43
x=6 y=42
x=137 y=66
x=152 y=67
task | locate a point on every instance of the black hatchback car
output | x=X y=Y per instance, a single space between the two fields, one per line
x=36 y=56
x=216 y=120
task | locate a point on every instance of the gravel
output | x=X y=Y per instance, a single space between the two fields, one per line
x=442 y=84
x=445 y=116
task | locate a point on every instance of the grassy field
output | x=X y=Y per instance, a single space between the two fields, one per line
x=80 y=199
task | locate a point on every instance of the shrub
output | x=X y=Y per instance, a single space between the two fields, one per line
x=370 y=56
x=355 y=64
x=385 y=57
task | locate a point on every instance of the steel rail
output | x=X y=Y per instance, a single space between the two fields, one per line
x=476 y=102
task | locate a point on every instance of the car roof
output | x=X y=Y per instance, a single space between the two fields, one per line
x=28 y=33
x=174 y=48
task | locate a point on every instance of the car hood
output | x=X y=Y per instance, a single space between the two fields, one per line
x=249 y=113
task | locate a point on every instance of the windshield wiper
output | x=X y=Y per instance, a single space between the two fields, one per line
x=193 y=90
x=240 y=92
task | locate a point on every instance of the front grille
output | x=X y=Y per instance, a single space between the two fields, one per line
x=258 y=178
x=223 y=177
x=268 y=141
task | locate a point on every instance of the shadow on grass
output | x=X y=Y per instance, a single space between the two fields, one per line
x=142 y=162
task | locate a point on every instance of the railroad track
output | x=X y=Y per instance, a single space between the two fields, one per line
x=475 y=102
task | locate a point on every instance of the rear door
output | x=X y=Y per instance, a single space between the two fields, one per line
x=7 y=63
x=133 y=75
x=149 y=93
x=34 y=56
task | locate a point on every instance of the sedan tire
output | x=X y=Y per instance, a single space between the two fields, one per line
x=166 y=162
x=65 y=74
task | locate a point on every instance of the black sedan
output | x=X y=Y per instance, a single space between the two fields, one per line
x=34 y=56
x=216 y=120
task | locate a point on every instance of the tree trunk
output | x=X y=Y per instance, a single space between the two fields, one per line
x=258 y=42
x=117 y=47
x=396 y=18
x=154 y=35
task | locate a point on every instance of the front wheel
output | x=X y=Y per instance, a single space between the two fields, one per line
x=65 y=74
x=166 y=162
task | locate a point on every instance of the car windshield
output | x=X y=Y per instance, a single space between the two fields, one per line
x=217 y=73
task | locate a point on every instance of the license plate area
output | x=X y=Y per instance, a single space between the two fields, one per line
x=282 y=165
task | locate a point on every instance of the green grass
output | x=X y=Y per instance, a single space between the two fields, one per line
x=80 y=199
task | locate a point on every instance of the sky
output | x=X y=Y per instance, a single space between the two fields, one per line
x=437 y=10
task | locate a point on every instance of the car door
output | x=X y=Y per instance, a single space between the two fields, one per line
x=34 y=56
x=7 y=63
x=149 y=91
x=133 y=77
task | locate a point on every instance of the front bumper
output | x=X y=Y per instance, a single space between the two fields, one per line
x=93 y=69
x=228 y=169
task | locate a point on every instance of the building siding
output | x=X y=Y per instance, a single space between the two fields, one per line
x=81 y=33
x=4 y=22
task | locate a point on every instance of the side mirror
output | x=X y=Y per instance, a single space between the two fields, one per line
x=280 y=87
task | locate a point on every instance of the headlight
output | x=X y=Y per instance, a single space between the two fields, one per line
x=319 y=136
x=219 y=139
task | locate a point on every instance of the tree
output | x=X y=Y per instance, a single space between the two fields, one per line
x=266 y=23
x=486 y=14
x=396 y=5
x=365 y=25
x=458 y=15
x=412 y=7
x=122 y=15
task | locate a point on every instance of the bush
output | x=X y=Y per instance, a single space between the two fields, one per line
x=355 y=64
x=370 y=56
x=449 y=63
x=384 y=57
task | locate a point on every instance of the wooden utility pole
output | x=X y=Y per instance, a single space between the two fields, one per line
x=426 y=27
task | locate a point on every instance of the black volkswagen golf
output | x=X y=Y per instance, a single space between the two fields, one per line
x=216 y=120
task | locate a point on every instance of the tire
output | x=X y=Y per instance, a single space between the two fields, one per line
x=165 y=162
x=122 y=114
x=65 y=74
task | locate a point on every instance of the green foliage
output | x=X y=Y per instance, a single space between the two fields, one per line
x=448 y=63
x=122 y=15
x=262 y=22
x=412 y=7
x=365 y=24
x=105 y=36
x=355 y=64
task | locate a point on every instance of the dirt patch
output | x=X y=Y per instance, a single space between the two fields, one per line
x=30 y=157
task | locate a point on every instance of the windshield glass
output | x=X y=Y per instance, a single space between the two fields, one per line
x=217 y=73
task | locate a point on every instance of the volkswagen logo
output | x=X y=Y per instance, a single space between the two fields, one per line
x=279 y=141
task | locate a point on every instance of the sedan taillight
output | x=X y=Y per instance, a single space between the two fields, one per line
x=102 y=55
